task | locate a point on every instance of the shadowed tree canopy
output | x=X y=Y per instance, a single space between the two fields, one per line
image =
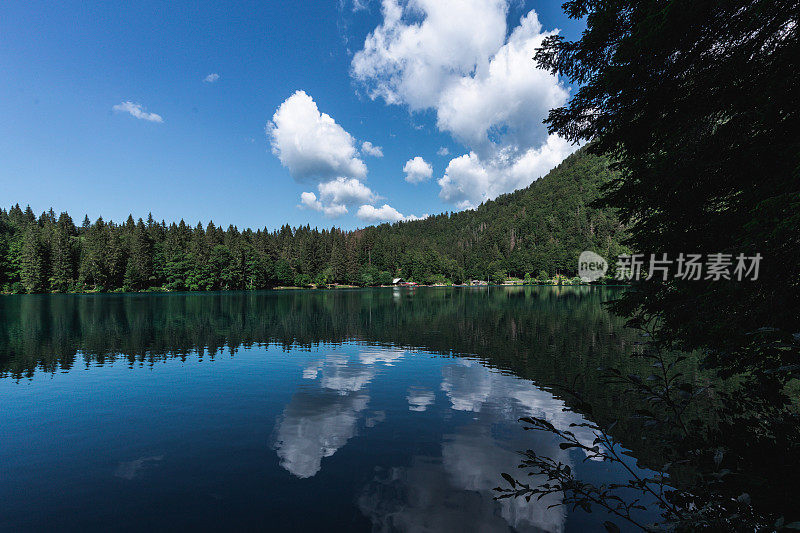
x=697 y=103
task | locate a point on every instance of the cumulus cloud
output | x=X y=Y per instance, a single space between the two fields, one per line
x=367 y=148
x=469 y=181
x=443 y=151
x=417 y=170
x=385 y=213
x=137 y=111
x=410 y=61
x=458 y=58
x=311 y=144
x=211 y=78
x=308 y=200
x=346 y=191
x=504 y=105
x=336 y=195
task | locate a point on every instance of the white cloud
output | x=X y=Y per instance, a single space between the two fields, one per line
x=385 y=213
x=443 y=151
x=417 y=170
x=346 y=191
x=469 y=181
x=311 y=144
x=410 y=61
x=457 y=58
x=504 y=105
x=211 y=78
x=367 y=148
x=136 y=110
x=336 y=195
x=309 y=200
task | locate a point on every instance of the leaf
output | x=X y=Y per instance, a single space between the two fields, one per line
x=611 y=527
x=510 y=479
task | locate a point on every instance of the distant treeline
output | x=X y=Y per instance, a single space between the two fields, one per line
x=538 y=230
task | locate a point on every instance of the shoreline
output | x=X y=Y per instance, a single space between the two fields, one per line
x=315 y=288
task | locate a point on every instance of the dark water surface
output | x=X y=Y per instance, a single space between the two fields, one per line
x=349 y=410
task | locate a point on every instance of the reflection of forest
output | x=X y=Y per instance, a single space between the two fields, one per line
x=552 y=335
x=516 y=327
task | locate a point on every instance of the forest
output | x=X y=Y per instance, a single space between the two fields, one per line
x=538 y=231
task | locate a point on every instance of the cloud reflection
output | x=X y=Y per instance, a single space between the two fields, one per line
x=315 y=425
x=454 y=491
x=133 y=469
x=419 y=399
x=323 y=416
x=450 y=491
x=470 y=387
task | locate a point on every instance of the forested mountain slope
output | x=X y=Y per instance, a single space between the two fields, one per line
x=543 y=227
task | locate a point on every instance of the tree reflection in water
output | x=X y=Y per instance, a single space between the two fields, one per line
x=499 y=352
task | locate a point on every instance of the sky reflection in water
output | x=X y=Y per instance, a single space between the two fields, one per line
x=371 y=436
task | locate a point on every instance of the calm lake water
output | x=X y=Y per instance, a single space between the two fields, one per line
x=347 y=410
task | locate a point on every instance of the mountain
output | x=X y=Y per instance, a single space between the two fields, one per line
x=544 y=226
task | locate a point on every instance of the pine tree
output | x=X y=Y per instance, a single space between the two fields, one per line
x=33 y=263
x=62 y=254
x=139 y=266
x=92 y=269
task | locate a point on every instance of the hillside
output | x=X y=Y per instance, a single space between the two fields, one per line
x=543 y=227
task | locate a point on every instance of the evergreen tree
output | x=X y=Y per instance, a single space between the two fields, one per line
x=63 y=255
x=138 y=270
x=33 y=262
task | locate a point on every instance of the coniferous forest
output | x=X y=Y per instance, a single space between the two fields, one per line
x=538 y=231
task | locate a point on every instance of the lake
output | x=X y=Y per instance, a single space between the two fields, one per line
x=343 y=410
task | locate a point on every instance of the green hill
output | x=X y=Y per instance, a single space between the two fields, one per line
x=544 y=226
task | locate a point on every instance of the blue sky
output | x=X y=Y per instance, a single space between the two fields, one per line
x=106 y=111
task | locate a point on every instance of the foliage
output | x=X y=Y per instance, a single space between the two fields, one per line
x=696 y=102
